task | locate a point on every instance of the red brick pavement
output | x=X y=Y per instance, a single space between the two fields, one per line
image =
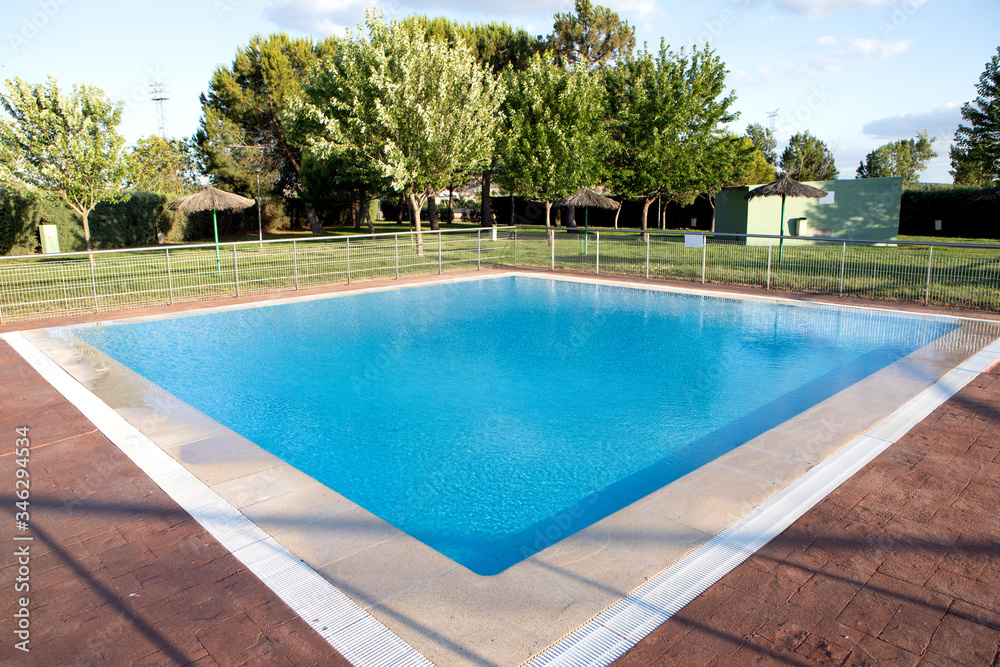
x=899 y=566
x=119 y=573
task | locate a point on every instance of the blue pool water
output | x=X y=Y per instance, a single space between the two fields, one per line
x=492 y=418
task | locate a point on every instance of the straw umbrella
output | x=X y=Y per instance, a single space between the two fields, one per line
x=587 y=198
x=211 y=199
x=786 y=186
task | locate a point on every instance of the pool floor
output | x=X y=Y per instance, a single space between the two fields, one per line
x=447 y=613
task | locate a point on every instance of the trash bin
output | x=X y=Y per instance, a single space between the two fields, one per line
x=50 y=237
x=161 y=238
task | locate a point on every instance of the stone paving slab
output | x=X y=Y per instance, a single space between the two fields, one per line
x=118 y=573
x=899 y=566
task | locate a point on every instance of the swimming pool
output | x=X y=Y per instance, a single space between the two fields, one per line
x=491 y=419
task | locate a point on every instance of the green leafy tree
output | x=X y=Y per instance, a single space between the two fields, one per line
x=764 y=140
x=418 y=112
x=243 y=111
x=905 y=158
x=555 y=132
x=975 y=154
x=62 y=146
x=496 y=46
x=806 y=158
x=590 y=37
x=726 y=159
x=665 y=111
x=156 y=164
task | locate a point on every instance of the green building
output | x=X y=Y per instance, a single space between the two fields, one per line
x=863 y=209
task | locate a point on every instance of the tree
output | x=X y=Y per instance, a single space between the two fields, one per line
x=418 y=112
x=64 y=147
x=906 y=158
x=243 y=112
x=764 y=140
x=975 y=155
x=806 y=158
x=550 y=147
x=592 y=36
x=664 y=112
x=156 y=164
x=727 y=159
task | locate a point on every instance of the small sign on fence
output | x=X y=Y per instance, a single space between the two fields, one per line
x=694 y=240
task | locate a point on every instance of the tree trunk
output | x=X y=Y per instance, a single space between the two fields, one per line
x=356 y=210
x=512 y=209
x=313 y=219
x=451 y=203
x=618 y=211
x=399 y=210
x=415 y=204
x=432 y=212
x=487 y=209
x=366 y=206
x=711 y=200
x=571 y=217
x=645 y=211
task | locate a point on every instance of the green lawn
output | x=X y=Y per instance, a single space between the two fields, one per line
x=39 y=286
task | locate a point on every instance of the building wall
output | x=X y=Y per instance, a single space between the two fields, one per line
x=863 y=209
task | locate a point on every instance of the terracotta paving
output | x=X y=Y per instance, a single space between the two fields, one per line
x=900 y=566
x=118 y=573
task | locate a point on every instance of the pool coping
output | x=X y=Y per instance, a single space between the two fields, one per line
x=274 y=566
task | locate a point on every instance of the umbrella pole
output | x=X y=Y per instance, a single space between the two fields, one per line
x=215 y=227
x=586 y=228
x=781 y=240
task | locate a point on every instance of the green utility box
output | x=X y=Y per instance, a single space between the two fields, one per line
x=50 y=237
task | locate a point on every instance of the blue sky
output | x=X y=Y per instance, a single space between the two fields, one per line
x=856 y=73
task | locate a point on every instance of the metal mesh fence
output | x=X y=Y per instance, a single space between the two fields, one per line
x=960 y=275
x=33 y=286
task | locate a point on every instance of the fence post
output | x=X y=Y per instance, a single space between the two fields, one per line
x=843 y=262
x=704 y=254
x=170 y=279
x=552 y=249
x=598 y=252
x=770 y=242
x=93 y=284
x=395 y=250
x=439 y=253
x=479 y=249
x=930 y=260
x=236 y=270
x=515 y=246
x=647 y=257
x=348 y=239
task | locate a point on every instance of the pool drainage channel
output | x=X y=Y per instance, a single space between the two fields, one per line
x=365 y=642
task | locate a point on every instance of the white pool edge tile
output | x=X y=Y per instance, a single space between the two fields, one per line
x=348 y=628
x=610 y=634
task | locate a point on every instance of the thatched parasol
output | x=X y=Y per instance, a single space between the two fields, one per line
x=786 y=186
x=211 y=199
x=989 y=194
x=586 y=198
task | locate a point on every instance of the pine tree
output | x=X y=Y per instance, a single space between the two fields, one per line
x=975 y=155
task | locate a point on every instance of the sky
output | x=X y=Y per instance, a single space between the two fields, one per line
x=855 y=73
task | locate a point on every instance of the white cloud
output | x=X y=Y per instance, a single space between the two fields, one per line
x=814 y=9
x=827 y=40
x=332 y=16
x=875 y=49
x=940 y=121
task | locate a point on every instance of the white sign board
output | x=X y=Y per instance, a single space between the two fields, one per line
x=694 y=241
x=828 y=199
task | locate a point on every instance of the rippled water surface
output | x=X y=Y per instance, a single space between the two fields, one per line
x=489 y=418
